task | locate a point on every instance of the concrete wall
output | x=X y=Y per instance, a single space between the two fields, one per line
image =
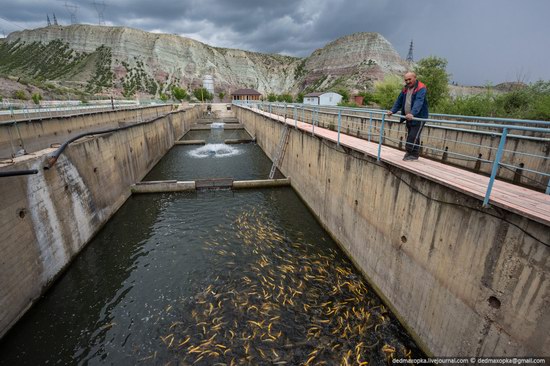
x=47 y=218
x=462 y=140
x=39 y=133
x=464 y=280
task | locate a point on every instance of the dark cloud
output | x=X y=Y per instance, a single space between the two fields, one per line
x=483 y=41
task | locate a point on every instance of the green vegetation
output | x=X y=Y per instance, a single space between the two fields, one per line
x=39 y=61
x=36 y=98
x=300 y=70
x=432 y=72
x=202 y=94
x=179 y=93
x=387 y=91
x=221 y=95
x=20 y=94
x=137 y=80
x=284 y=98
x=272 y=97
x=525 y=102
x=103 y=76
x=300 y=98
x=345 y=95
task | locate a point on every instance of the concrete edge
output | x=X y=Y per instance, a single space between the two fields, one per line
x=169 y=186
x=190 y=142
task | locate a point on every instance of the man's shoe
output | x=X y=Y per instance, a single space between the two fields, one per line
x=406 y=156
x=411 y=158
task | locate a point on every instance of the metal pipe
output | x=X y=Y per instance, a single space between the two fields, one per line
x=14 y=173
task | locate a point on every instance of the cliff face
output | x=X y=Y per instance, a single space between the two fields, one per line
x=353 y=61
x=133 y=60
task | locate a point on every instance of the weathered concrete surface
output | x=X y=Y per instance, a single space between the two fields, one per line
x=466 y=281
x=163 y=186
x=47 y=218
x=233 y=126
x=238 y=141
x=190 y=142
x=40 y=133
x=261 y=183
x=185 y=186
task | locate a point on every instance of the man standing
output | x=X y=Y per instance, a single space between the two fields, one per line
x=412 y=102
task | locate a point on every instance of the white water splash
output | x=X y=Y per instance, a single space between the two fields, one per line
x=217 y=125
x=215 y=150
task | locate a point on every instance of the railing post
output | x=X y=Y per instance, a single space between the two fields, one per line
x=313 y=121
x=339 y=125
x=495 y=167
x=295 y=117
x=381 y=137
x=548 y=187
x=370 y=126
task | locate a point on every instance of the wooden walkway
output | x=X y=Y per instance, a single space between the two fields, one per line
x=522 y=201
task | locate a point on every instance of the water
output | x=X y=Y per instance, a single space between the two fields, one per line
x=213 y=160
x=216 y=135
x=216 y=277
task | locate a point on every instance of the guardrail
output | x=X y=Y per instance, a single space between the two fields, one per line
x=375 y=126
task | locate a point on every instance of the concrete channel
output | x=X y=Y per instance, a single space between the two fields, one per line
x=455 y=291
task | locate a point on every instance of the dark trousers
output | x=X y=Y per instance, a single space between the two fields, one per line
x=414 y=128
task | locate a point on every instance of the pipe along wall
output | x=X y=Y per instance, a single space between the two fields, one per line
x=464 y=280
x=47 y=218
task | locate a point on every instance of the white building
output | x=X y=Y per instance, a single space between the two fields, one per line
x=208 y=83
x=328 y=98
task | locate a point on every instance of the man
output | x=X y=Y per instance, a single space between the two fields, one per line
x=412 y=102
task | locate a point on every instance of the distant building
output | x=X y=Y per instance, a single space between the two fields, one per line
x=246 y=94
x=208 y=83
x=328 y=98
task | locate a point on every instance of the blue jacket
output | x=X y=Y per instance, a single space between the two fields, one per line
x=419 y=102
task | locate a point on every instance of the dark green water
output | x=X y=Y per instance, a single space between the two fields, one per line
x=214 y=277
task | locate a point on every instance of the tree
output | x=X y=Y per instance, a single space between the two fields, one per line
x=387 y=91
x=432 y=72
x=272 y=97
x=300 y=98
x=221 y=95
x=179 y=93
x=202 y=94
x=345 y=95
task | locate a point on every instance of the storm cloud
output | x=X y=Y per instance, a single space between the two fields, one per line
x=484 y=41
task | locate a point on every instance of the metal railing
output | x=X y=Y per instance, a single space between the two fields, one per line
x=375 y=126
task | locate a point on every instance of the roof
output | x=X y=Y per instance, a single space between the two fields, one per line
x=246 y=92
x=313 y=94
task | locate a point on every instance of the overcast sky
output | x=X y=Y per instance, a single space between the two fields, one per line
x=484 y=41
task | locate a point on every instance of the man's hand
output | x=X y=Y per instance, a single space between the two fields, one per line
x=389 y=113
x=409 y=117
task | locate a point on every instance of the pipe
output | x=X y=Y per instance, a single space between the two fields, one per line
x=14 y=173
x=52 y=158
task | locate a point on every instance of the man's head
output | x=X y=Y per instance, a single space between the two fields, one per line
x=410 y=79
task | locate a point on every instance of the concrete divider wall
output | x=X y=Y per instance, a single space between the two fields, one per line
x=466 y=281
x=469 y=144
x=39 y=133
x=47 y=218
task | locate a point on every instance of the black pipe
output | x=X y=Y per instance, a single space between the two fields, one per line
x=52 y=158
x=14 y=173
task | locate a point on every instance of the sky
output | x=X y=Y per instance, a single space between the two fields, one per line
x=484 y=41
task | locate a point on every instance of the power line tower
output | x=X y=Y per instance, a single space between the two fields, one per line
x=100 y=9
x=410 y=54
x=72 y=10
x=55 y=20
x=48 y=19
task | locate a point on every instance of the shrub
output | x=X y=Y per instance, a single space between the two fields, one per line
x=387 y=91
x=36 y=98
x=20 y=94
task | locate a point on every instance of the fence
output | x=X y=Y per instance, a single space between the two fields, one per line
x=513 y=150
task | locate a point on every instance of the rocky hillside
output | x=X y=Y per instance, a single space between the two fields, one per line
x=104 y=60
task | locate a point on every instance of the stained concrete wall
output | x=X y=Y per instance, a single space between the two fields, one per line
x=466 y=281
x=40 y=133
x=47 y=218
x=466 y=146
